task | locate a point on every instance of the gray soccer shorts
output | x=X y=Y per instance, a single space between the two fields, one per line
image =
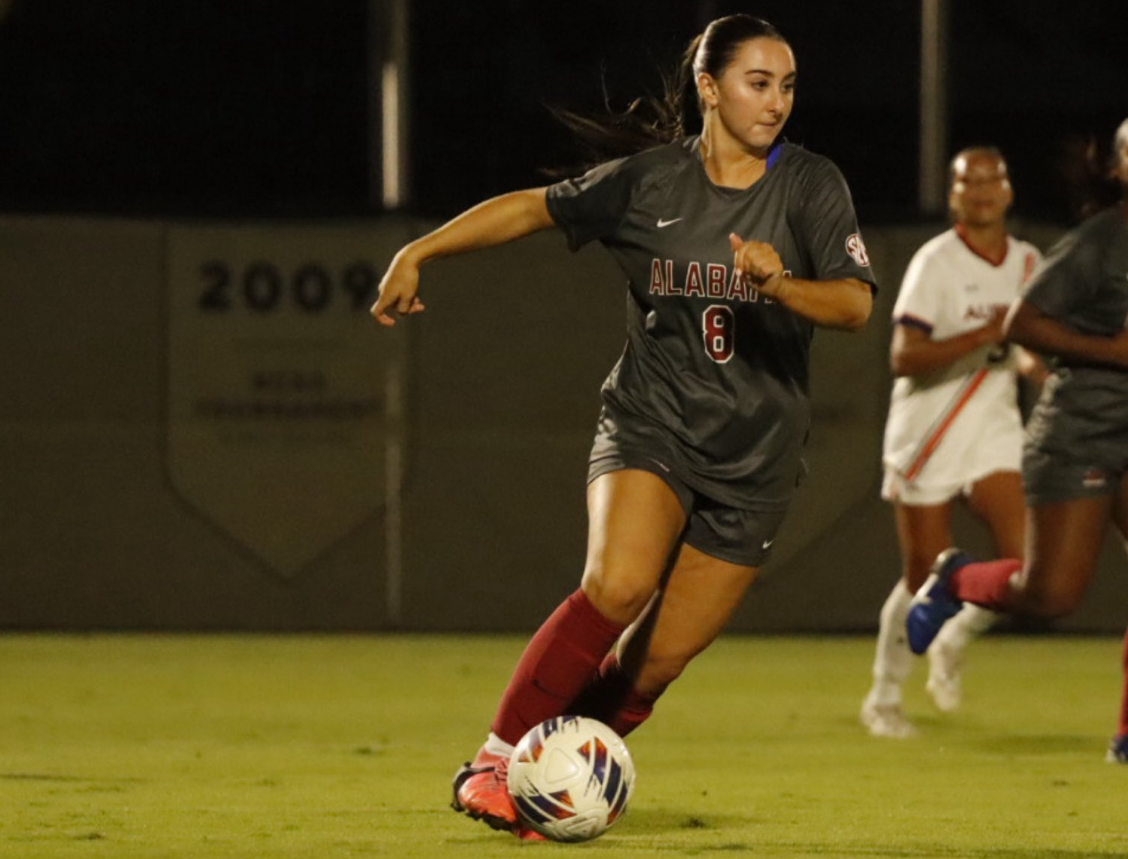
x=735 y=535
x=1050 y=477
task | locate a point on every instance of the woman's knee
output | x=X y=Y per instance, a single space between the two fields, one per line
x=1047 y=599
x=620 y=595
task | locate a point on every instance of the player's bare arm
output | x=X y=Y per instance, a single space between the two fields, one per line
x=845 y=303
x=913 y=351
x=494 y=222
x=1028 y=326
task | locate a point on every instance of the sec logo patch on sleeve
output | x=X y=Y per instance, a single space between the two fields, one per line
x=857 y=249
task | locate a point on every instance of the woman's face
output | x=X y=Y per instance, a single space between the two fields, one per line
x=981 y=191
x=754 y=95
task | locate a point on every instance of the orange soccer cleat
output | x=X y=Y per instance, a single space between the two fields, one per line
x=480 y=792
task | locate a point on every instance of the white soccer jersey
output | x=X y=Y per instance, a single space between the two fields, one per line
x=956 y=425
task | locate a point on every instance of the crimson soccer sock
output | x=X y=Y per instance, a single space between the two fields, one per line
x=1123 y=729
x=986 y=583
x=556 y=665
x=612 y=699
x=633 y=711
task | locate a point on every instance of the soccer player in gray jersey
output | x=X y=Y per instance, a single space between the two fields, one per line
x=736 y=246
x=1075 y=458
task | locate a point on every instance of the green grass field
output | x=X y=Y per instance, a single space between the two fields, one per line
x=260 y=746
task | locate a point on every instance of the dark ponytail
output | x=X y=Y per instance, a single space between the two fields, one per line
x=1089 y=170
x=653 y=120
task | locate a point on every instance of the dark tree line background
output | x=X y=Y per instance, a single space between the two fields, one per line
x=260 y=107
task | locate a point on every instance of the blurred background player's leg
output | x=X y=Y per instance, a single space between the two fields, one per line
x=923 y=530
x=945 y=656
x=996 y=499
x=882 y=712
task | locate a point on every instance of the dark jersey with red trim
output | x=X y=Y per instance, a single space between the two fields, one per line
x=1083 y=410
x=713 y=372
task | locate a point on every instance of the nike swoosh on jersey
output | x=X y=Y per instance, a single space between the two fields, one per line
x=662 y=222
x=767 y=544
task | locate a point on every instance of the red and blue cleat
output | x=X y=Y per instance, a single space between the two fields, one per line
x=935 y=604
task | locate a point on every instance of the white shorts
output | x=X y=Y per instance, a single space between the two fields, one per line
x=951 y=472
x=895 y=488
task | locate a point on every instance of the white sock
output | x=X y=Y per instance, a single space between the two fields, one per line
x=971 y=622
x=893 y=660
x=495 y=745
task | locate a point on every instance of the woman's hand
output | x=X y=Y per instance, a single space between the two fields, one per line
x=398 y=291
x=757 y=262
x=993 y=332
x=760 y=266
x=843 y=303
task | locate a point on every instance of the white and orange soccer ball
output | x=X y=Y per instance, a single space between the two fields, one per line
x=571 y=778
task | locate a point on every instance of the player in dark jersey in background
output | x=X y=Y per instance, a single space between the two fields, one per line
x=736 y=245
x=1075 y=459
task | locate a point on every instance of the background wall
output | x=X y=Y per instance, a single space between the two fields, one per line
x=103 y=525
x=201 y=428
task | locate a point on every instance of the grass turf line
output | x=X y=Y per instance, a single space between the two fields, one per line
x=253 y=746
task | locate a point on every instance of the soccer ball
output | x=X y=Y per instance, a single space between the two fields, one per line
x=570 y=778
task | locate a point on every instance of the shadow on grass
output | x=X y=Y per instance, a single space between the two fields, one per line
x=660 y=820
x=66 y=778
x=798 y=849
x=1040 y=744
x=667 y=831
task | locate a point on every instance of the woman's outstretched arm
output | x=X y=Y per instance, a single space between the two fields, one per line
x=494 y=222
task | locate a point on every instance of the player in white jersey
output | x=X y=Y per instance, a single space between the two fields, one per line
x=1075 y=459
x=954 y=430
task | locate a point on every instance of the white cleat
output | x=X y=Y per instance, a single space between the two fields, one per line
x=886 y=720
x=944 y=684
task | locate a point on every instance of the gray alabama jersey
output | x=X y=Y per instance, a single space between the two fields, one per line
x=1083 y=409
x=713 y=372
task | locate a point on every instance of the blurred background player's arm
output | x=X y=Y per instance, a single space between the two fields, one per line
x=1029 y=326
x=913 y=352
